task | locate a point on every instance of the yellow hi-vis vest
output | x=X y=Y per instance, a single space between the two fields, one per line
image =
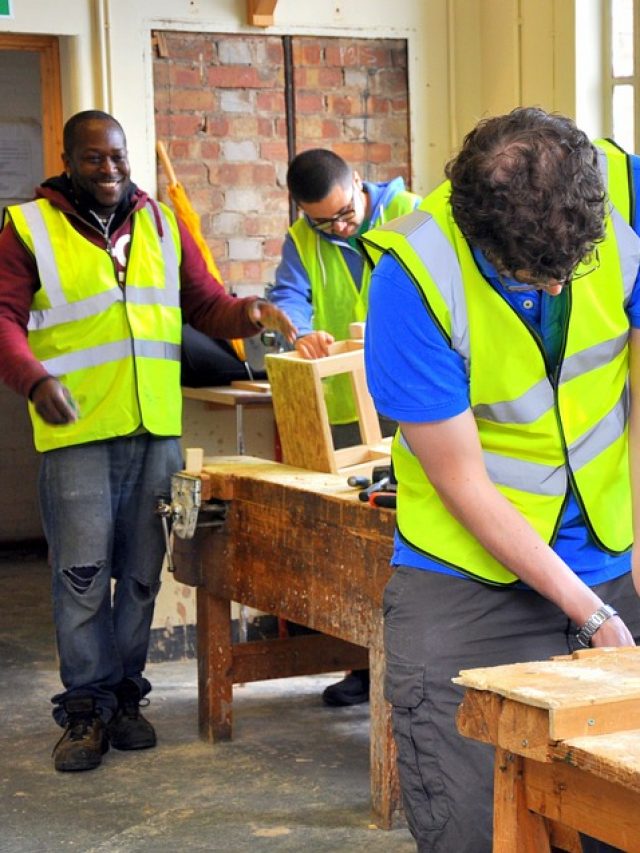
x=337 y=300
x=117 y=349
x=542 y=431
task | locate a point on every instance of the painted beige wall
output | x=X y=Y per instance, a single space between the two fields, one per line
x=506 y=53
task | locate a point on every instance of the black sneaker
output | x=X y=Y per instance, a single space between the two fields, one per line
x=352 y=690
x=84 y=741
x=128 y=729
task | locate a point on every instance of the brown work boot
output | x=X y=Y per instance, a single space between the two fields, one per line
x=84 y=741
x=128 y=729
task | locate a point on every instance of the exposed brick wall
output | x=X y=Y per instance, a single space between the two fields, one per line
x=220 y=110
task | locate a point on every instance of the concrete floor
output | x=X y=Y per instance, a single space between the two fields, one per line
x=295 y=777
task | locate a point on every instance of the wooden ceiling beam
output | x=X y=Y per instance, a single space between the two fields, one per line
x=260 y=12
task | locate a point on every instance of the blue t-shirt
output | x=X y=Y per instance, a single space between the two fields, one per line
x=435 y=387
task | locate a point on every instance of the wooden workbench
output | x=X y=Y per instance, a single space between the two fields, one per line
x=567 y=738
x=300 y=545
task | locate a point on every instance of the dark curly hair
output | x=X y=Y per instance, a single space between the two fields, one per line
x=527 y=191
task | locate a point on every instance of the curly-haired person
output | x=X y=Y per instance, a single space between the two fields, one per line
x=503 y=335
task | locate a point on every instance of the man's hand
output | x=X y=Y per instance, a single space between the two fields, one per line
x=54 y=403
x=612 y=633
x=265 y=315
x=314 y=345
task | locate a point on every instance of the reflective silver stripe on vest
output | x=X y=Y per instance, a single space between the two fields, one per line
x=629 y=251
x=526 y=476
x=592 y=357
x=537 y=401
x=628 y=240
x=438 y=256
x=609 y=429
x=533 y=404
x=43 y=250
x=548 y=479
x=157 y=349
x=169 y=253
x=93 y=305
x=79 y=310
x=105 y=353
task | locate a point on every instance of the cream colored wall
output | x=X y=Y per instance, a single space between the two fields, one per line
x=506 y=53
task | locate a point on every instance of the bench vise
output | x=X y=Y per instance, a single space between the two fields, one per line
x=182 y=515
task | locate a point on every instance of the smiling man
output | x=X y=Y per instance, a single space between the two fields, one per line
x=96 y=280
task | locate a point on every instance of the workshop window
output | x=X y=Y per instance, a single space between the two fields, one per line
x=622 y=38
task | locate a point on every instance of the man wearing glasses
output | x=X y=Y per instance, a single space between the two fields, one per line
x=502 y=317
x=322 y=283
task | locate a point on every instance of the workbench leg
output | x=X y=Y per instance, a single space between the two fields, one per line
x=385 y=785
x=515 y=827
x=215 y=664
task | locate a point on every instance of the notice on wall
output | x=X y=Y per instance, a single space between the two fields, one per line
x=6 y=10
x=20 y=158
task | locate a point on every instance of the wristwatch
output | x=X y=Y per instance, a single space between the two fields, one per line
x=592 y=624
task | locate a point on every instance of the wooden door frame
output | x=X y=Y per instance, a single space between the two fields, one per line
x=51 y=96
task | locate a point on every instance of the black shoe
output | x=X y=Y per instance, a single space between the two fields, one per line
x=128 y=729
x=352 y=690
x=84 y=741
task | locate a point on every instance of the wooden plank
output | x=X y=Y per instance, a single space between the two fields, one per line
x=515 y=828
x=303 y=655
x=215 y=686
x=595 y=718
x=356 y=331
x=564 y=838
x=301 y=413
x=261 y=386
x=615 y=757
x=225 y=395
x=565 y=683
x=260 y=12
x=361 y=454
x=478 y=715
x=490 y=718
x=367 y=415
x=384 y=782
x=584 y=802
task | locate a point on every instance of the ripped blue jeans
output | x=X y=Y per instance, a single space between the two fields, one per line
x=98 y=509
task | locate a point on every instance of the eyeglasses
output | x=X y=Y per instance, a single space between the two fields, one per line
x=582 y=269
x=347 y=214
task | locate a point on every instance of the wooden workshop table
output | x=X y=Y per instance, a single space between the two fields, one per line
x=567 y=738
x=300 y=545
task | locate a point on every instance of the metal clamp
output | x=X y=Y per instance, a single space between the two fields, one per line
x=182 y=512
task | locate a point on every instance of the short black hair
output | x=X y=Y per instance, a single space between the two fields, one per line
x=70 y=131
x=313 y=174
x=526 y=189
